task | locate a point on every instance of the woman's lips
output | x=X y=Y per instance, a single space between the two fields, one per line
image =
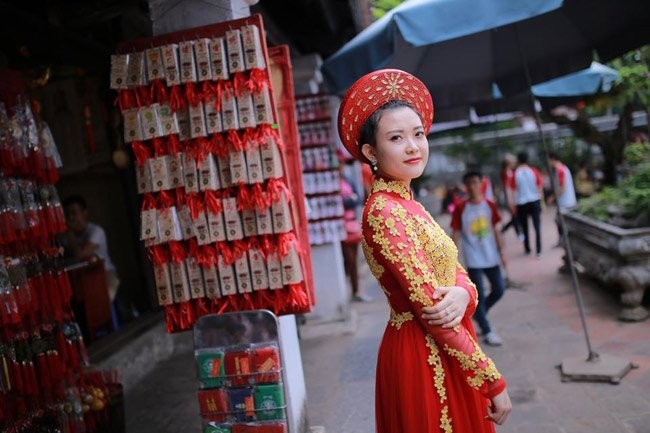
x=413 y=160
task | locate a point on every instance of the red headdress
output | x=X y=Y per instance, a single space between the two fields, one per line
x=372 y=91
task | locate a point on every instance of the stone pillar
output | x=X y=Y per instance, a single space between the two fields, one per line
x=170 y=16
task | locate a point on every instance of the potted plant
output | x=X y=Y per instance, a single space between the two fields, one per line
x=609 y=233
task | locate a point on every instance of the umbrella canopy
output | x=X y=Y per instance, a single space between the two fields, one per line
x=458 y=48
x=598 y=78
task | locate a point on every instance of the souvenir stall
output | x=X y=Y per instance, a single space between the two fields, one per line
x=222 y=204
x=46 y=383
x=316 y=119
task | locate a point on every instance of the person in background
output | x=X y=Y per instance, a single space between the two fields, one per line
x=476 y=232
x=486 y=187
x=350 y=245
x=528 y=187
x=431 y=374
x=509 y=190
x=85 y=240
x=564 y=190
x=584 y=181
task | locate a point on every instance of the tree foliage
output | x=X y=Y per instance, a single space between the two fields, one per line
x=380 y=7
x=631 y=93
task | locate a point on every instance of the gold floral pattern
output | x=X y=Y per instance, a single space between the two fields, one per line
x=470 y=362
x=396 y=186
x=439 y=382
x=398 y=319
x=376 y=269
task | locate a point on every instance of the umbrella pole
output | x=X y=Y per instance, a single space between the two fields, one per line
x=601 y=368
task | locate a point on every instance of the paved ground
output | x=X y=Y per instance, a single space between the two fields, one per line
x=541 y=328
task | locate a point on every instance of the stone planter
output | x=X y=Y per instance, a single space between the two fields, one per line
x=618 y=258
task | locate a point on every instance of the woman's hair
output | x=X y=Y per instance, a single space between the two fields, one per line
x=369 y=129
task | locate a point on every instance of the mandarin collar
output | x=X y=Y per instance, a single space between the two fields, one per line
x=398 y=187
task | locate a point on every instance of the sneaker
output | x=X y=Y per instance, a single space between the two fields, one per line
x=538 y=255
x=521 y=237
x=361 y=297
x=492 y=339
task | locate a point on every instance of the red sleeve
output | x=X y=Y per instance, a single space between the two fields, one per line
x=496 y=216
x=561 y=175
x=538 y=178
x=456 y=220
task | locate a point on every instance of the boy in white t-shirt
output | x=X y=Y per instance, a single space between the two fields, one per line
x=475 y=232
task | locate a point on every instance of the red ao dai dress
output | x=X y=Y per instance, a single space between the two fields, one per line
x=429 y=379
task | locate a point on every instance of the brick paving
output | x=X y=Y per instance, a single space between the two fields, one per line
x=540 y=326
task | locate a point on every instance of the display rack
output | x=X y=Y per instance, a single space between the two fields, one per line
x=321 y=176
x=240 y=373
x=46 y=382
x=221 y=211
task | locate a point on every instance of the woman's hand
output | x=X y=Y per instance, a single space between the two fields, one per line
x=450 y=310
x=500 y=407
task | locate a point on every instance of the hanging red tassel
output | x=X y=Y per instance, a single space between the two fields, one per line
x=170 y=318
x=176 y=100
x=258 y=197
x=191 y=94
x=196 y=204
x=240 y=83
x=177 y=252
x=235 y=141
x=259 y=79
x=217 y=145
x=159 y=146
x=158 y=91
x=244 y=199
x=142 y=153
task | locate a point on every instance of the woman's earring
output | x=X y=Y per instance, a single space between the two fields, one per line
x=373 y=164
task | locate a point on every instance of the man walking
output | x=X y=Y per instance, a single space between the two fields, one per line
x=565 y=194
x=528 y=193
x=475 y=232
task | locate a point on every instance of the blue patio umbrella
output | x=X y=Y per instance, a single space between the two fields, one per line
x=597 y=78
x=458 y=48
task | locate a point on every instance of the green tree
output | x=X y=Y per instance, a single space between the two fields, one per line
x=380 y=7
x=631 y=93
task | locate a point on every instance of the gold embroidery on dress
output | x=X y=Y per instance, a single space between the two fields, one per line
x=375 y=268
x=398 y=319
x=395 y=186
x=470 y=363
x=439 y=382
x=445 y=421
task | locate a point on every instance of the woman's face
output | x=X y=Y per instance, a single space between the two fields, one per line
x=402 y=148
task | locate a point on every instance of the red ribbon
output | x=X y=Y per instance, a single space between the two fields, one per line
x=142 y=153
x=148 y=202
x=212 y=202
x=158 y=91
x=159 y=255
x=259 y=79
x=176 y=100
x=258 y=197
x=235 y=141
x=218 y=145
x=196 y=205
x=274 y=190
x=159 y=146
x=191 y=94
x=177 y=251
